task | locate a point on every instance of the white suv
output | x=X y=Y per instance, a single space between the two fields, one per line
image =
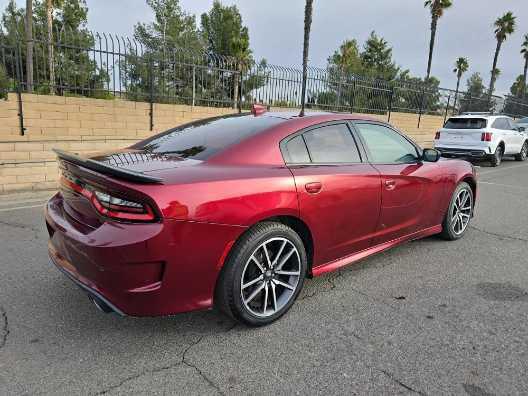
x=482 y=136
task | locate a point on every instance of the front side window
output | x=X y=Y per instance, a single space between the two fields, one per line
x=386 y=146
x=332 y=144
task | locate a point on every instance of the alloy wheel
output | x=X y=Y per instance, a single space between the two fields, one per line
x=524 y=151
x=461 y=212
x=270 y=277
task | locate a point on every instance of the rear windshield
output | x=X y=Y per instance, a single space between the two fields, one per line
x=201 y=139
x=465 y=123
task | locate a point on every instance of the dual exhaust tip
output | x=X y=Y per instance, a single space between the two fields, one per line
x=100 y=304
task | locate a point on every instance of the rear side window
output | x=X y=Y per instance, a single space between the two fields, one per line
x=502 y=123
x=332 y=144
x=201 y=139
x=297 y=151
x=466 y=123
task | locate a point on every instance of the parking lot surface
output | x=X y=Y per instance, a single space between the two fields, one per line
x=429 y=317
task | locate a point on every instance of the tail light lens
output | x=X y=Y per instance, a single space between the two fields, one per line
x=437 y=135
x=486 y=136
x=109 y=205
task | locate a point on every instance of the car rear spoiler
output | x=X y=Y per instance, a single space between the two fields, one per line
x=114 y=171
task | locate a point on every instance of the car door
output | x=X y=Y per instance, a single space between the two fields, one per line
x=339 y=193
x=502 y=125
x=412 y=190
x=518 y=136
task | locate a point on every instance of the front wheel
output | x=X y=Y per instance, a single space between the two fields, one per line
x=459 y=213
x=263 y=275
x=524 y=152
x=496 y=158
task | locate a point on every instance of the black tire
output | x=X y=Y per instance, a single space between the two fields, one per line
x=523 y=154
x=496 y=158
x=229 y=293
x=449 y=231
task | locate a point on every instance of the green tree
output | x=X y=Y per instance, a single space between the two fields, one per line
x=308 y=12
x=518 y=87
x=524 y=52
x=461 y=66
x=225 y=34
x=504 y=26
x=437 y=8
x=376 y=59
x=474 y=98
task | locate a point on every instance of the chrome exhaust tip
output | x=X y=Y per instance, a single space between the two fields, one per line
x=101 y=305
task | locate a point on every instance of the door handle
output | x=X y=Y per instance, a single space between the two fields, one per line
x=390 y=184
x=313 y=188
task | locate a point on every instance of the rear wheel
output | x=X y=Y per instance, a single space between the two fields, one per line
x=459 y=213
x=496 y=158
x=524 y=152
x=263 y=275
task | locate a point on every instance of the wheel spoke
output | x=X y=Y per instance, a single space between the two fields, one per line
x=254 y=294
x=279 y=253
x=464 y=215
x=285 y=258
x=294 y=273
x=265 y=298
x=274 y=296
x=281 y=283
x=246 y=285
x=257 y=263
x=266 y=253
x=466 y=208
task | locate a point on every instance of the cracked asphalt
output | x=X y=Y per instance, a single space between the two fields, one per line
x=427 y=318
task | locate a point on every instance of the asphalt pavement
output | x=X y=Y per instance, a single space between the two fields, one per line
x=429 y=317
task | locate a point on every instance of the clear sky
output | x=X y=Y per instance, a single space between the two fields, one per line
x=276 y=30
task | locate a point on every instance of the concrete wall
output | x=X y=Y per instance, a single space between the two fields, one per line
x=89 y=125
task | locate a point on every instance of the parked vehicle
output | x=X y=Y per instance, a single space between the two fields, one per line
x=237 y=211
x=522 y=123
x=482 y=136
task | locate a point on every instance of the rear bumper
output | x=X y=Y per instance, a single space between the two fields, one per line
x=462 y=153
x=93 y=294
x=147 y=269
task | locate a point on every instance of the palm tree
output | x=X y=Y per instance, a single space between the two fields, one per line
x=461 y=66
x=504 y=26
x=29 y=45
x=524 y=52
x=437 y=8
x=308 y=10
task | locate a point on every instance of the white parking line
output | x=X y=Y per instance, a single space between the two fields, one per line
x=502 y=169
x=21 y=207
x=503 y=185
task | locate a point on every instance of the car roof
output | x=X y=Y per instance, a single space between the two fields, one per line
x=319 y=116
x=486 y=116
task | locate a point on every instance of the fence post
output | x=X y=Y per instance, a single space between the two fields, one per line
x=391 y=97
x=151 y=92
x=194 y=86
x=447 y=107
x=241 y=86
x=421 y=107
x=18 y=68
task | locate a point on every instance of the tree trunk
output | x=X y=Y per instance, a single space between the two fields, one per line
x=434 y=22
x=308 y=9
x=494 y=70
x=29 y=45
x=523 y=87
x=456 y=91
x=51 y=63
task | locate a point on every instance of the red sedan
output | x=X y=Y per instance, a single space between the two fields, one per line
x=237 y=211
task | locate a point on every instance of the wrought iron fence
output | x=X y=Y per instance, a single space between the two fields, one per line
x=108 y=66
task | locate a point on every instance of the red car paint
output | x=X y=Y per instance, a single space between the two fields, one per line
x=172 y=264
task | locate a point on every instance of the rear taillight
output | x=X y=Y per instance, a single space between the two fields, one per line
x=111 y=206
x=486 y=136
x=437 y=135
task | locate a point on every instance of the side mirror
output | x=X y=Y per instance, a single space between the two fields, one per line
x=521 y=129
x=431 y=155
